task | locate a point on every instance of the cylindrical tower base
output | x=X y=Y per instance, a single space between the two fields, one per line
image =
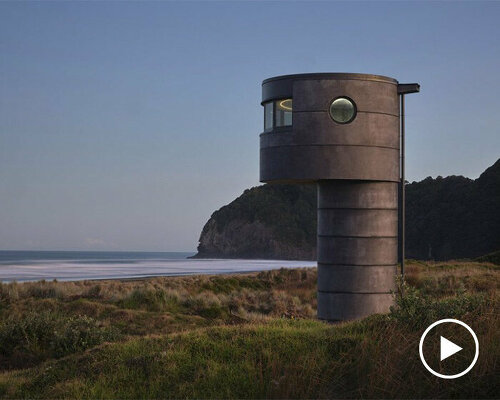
x=357 y=248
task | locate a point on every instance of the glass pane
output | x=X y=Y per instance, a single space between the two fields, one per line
x=284 y=112
x=342 y=110
x=268 y=117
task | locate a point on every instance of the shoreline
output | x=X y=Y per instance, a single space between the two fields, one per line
x=143 y=269
x=146 y=277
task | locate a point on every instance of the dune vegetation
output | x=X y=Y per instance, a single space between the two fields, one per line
x=238 y=336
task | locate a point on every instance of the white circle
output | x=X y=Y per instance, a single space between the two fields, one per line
x=442 y=321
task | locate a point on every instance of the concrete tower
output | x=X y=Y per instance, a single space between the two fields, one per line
x=342 y=132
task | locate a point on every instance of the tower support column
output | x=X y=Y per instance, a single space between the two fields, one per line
x=357 y=248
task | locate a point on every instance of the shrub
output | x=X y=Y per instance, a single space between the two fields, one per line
x=94 y=292
x=418 y=310
x=152 y=300
x=8 y=293
x=207 y=305
x=30 y=334
x=77 y=334
x=493 y=258
x=38 y=336
x=42 y=290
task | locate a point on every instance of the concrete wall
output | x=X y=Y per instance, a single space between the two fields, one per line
x=357 y=248
x=315 y=147
x=357 y=168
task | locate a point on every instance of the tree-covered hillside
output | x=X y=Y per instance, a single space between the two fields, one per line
x=269 y=221
x=453 y=217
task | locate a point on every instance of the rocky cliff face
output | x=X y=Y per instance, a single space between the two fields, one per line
x=453 y=217
x=243 y=239
x=269 y=221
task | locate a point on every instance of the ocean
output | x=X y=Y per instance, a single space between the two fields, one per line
x=81 y=265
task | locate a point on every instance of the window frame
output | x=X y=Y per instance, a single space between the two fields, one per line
x=271 y=102
x=275 y=127
x=355 y=107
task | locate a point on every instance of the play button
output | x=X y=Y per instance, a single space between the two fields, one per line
x=449 y=348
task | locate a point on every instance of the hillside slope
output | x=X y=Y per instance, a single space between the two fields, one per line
x=453 y=217
x=269 y=221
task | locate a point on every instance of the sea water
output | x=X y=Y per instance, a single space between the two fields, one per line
x=81 y=265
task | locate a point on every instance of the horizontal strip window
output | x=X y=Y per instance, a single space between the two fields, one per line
x=277 y=114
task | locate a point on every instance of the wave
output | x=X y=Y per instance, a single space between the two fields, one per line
x=122 y=269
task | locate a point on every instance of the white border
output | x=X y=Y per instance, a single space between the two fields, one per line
x=442 y=321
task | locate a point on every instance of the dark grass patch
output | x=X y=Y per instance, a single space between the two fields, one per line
x=227 y=285
x=32 y=338
x=156 y=299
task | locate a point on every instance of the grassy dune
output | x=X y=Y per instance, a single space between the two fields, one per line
x=239 y=336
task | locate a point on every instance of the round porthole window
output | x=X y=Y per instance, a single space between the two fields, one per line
x=343 y=110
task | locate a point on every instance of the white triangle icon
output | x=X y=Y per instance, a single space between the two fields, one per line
x=448 y=348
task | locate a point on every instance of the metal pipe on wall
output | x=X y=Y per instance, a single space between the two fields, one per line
x=402 y=190
x=403 y=88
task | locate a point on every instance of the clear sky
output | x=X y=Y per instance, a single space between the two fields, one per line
x=124 y=125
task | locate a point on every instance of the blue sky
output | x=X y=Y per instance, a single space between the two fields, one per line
x=124 y=125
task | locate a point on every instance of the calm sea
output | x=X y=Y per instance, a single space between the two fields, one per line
x=80 y=265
